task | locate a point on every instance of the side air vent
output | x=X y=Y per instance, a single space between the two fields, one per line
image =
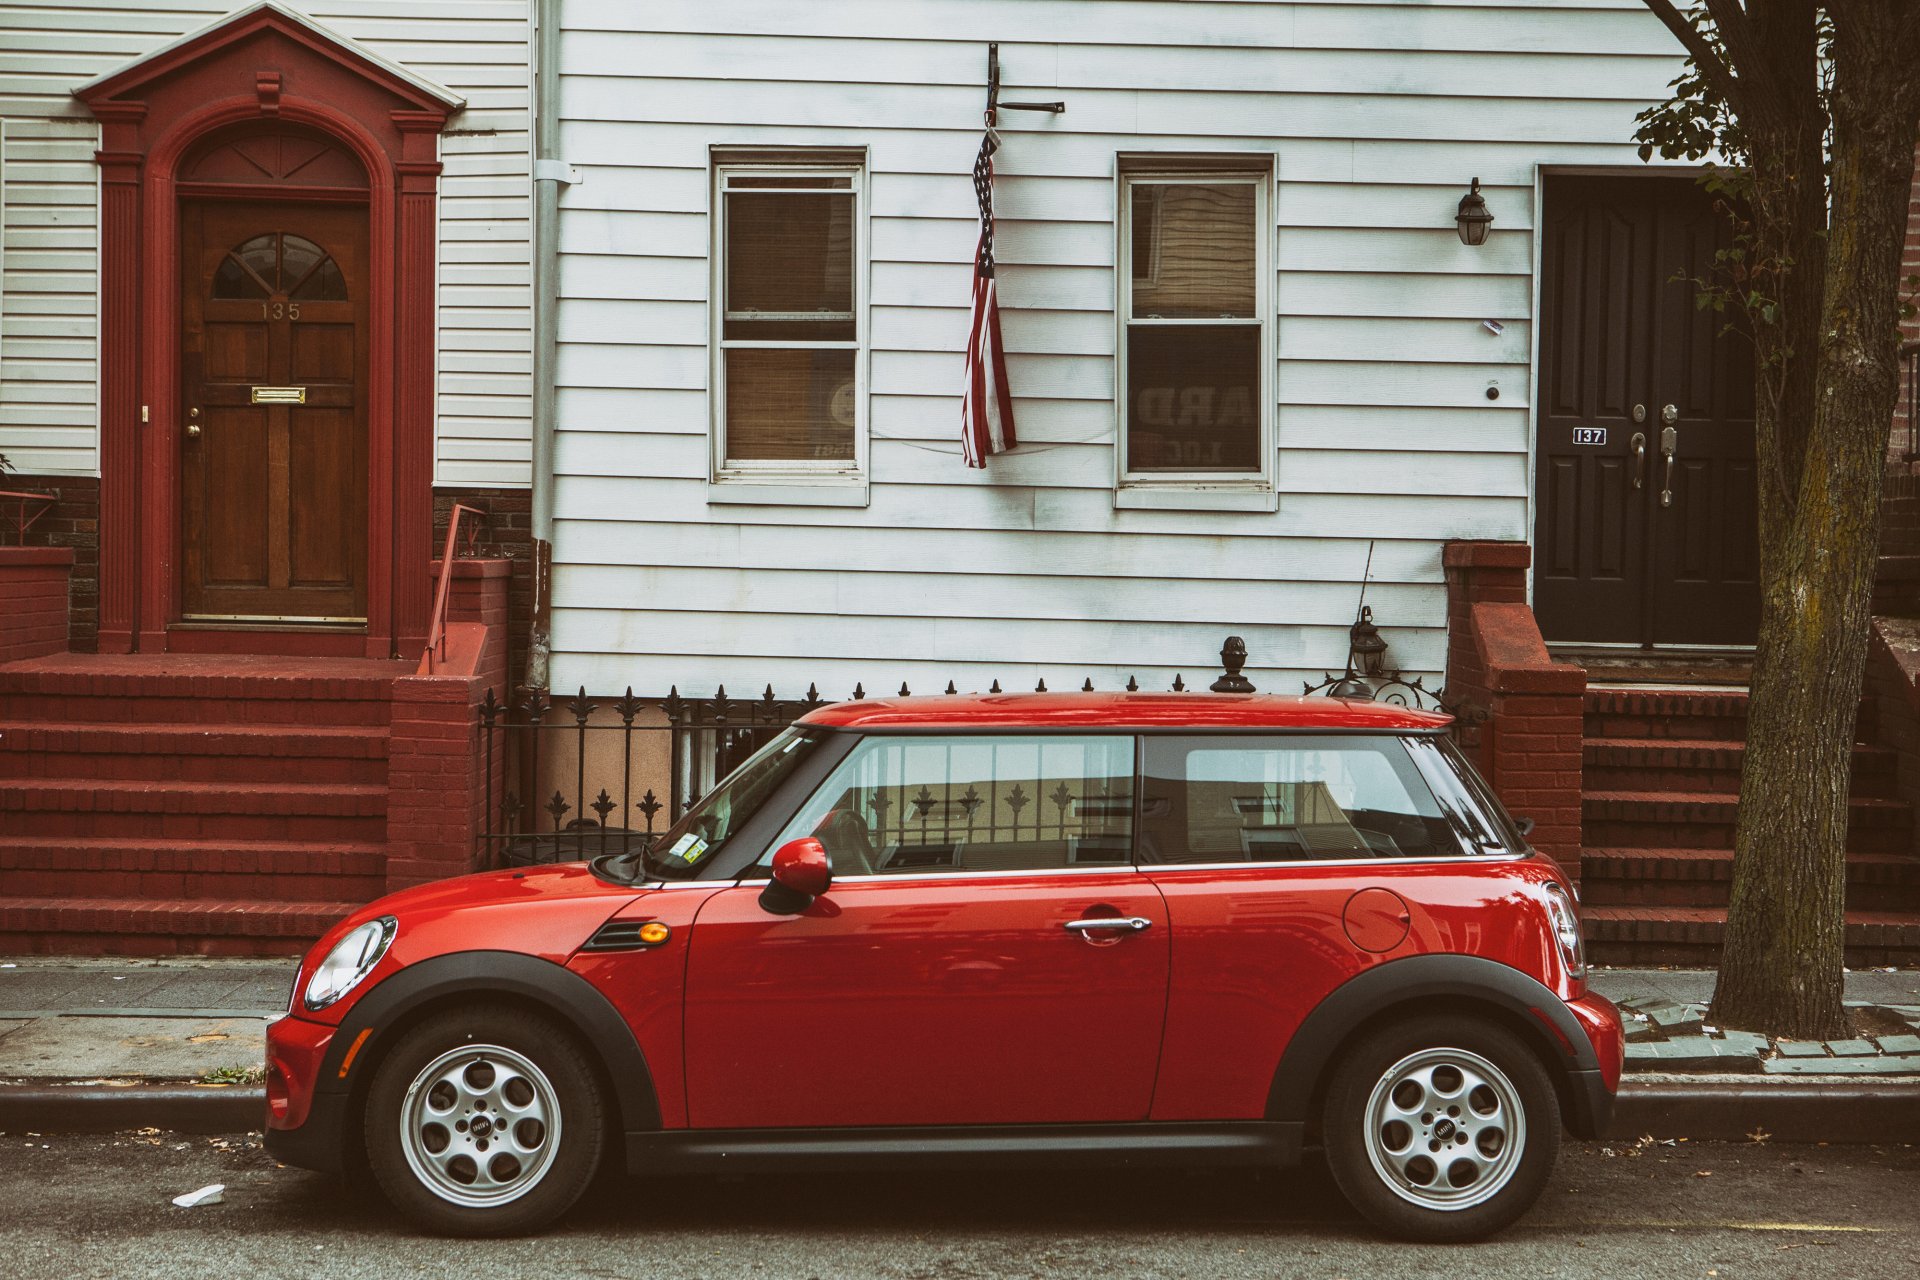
x=627 y=935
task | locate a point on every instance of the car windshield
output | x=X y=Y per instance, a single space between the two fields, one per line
x=704 y=829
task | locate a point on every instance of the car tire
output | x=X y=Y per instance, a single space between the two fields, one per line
x=484 y=1122
x=1441 y=1128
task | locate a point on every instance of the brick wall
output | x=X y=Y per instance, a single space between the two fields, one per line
x=72 y=522
x=1893 y=700
x=33 y=601
x=1524 y=712
x=507 y=536
x=1910 y=329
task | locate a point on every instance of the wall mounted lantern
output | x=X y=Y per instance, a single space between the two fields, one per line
x=1474 y=218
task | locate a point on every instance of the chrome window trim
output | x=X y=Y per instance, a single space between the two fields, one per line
x=1436 y=860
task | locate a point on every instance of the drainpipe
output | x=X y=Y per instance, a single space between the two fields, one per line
x=550 y=173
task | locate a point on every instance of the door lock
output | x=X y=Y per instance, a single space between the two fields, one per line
x=1669 y=445
x=1669 y=414
x=193 y=426
x=1639 y=443
x=1639 y=413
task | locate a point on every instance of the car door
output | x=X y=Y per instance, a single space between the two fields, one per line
x=958 y=971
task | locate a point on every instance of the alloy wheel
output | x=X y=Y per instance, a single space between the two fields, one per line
x=480 y=1125
x=1445 y=1129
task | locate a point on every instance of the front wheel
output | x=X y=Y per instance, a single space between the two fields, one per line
x=484 y=1122
x=1441 y=1128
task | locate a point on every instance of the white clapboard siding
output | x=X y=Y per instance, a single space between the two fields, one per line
x=49 y=293
x=1374 y=115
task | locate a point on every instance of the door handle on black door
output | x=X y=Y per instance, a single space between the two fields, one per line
x=1134 y=923
x=1639 y=443
x=1669 y=445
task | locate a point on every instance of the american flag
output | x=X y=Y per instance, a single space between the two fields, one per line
x=986 y=408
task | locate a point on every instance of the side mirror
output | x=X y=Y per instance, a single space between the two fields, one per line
x=1525 y=825
x=801 y=873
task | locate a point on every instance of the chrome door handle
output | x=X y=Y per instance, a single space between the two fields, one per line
x=1639 y=443
x=1135 y=923
x=1669 y=445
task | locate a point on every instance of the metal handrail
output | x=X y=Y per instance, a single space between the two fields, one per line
x=21 y=520
x=437 y=630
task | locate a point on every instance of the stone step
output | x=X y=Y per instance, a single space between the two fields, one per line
x=1703 y=877
x=235 y=870
x=1692 y=936
x=194 y=810
x=1704 y=765
x=1705 y=820
x=196 y=689
x=194 y=752
x=148 y=926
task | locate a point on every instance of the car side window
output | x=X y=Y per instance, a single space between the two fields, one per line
x=1291 y=798
x=899 y=805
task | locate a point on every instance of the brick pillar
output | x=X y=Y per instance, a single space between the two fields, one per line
x=437 y=783
x=33 y=601
x=1529 y=745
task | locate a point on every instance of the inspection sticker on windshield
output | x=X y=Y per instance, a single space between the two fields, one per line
x=688 y=848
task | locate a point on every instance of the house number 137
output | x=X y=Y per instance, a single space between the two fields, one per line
x=279 y=311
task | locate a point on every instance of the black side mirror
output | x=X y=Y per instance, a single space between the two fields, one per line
x=1525 y=825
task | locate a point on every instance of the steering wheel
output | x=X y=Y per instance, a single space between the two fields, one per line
x=849 y=842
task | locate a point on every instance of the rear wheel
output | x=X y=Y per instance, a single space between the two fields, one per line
x=484 y=1122
x=1441 y=1128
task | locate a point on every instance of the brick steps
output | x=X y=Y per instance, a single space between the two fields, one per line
x=1692 y=935
x=62 y=689
x=1676 y=819
x=200 y=810
x=236 y=870
x=1661 y=777
x=1704 y=765
x=193 y=753
x=148 y=926
x=1702 y=878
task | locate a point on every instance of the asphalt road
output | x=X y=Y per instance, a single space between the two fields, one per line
x=73 y=1207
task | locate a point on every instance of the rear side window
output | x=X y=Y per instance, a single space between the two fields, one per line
x=910 y=804
x=1291 y=798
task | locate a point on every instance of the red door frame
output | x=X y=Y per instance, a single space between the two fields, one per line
x=262 y=64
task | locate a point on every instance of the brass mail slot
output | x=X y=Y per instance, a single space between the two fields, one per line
x=279 y=395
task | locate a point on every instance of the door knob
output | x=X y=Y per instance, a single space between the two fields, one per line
x=1669 y=445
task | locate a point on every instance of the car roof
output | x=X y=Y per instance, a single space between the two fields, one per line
x=1125 y=710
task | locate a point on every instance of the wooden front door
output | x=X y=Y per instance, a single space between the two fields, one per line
x=274 y=454
x=1646 y=528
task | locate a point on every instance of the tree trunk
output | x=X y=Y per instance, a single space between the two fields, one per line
x=1782 y=966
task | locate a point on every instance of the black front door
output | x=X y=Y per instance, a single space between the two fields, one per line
x=1646 y=529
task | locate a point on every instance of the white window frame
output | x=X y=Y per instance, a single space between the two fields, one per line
x=785 y=481
x=1251 y=490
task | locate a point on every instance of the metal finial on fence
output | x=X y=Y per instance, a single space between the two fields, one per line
x=1088 y=686
x=1233 y=657
x=1133 y=684
x=1042 y=686
x=1179 y=685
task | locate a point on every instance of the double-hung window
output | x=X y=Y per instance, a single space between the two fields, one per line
x=1195 y=327
x=788 y=317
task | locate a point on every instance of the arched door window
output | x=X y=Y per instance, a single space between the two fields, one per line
x=279 y=265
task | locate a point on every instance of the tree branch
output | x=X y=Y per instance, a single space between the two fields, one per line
x=1702 y=53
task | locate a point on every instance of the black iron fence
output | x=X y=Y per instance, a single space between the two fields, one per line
x=580 y=776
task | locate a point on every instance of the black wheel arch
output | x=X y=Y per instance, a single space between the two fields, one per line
x=417 y=990
x=1469 y=985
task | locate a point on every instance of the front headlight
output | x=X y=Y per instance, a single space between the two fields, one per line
x=351 y=959
x=1564 y=920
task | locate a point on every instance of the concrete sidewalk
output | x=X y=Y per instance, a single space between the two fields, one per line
x=178 y=1043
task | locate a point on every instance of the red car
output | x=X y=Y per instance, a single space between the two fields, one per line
x=1048 y=928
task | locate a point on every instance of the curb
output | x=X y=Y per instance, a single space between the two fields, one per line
x=97 y=1108
x=1798 y=1112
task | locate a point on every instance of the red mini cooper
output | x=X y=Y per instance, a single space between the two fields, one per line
x=1088 y=928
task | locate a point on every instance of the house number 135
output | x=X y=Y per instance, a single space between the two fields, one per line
x=279 y=311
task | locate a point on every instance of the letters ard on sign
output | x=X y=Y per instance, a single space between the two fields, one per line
x=1589 y=435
